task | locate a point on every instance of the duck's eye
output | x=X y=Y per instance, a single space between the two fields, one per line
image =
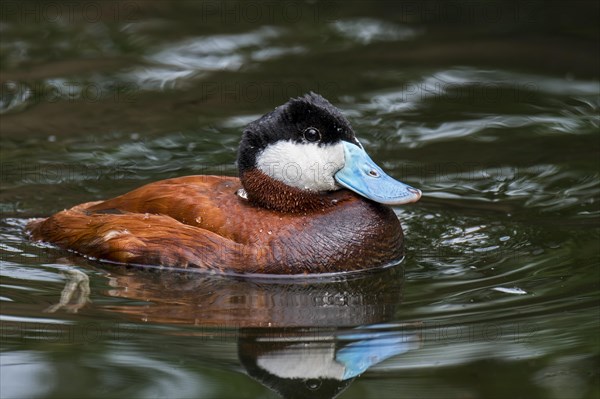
x=311 y=134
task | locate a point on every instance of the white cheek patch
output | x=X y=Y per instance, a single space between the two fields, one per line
x=299 y=361
x=307 y=166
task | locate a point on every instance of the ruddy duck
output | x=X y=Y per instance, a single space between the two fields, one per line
x=308 y=200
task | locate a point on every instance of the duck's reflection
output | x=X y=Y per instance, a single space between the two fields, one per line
x=319 y=363
x=190 y=298
x=302 y=338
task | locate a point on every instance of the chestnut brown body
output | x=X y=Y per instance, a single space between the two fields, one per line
x=201 y=222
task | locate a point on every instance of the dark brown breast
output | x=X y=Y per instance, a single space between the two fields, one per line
x=200 y=222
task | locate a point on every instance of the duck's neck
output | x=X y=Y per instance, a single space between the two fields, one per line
x=264 y=191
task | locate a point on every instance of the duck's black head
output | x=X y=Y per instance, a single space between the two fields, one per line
x=289 y=157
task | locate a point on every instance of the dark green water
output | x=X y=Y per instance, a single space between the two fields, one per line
x=491 y=108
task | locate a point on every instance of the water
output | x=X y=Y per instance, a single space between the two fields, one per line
x=490 y=108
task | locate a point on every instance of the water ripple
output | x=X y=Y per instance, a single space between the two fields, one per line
x=194 y=57
x=369 y=30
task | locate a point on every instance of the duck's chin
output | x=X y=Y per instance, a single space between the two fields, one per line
x=267 y=192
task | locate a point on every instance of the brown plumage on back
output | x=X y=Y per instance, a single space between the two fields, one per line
x=200 y=222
